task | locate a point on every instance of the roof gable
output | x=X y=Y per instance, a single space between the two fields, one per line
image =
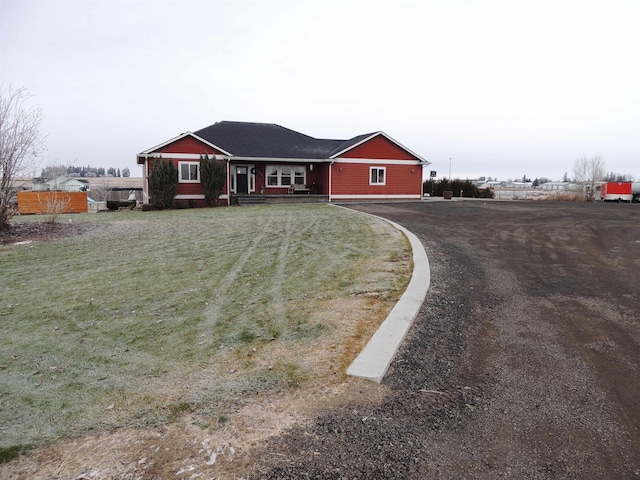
x=187 y=140
x=376 y=145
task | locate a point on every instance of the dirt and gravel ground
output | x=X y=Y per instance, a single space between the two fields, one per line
x=524 y=362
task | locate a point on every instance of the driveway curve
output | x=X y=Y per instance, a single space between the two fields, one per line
x=523 y=362
x=374 y=360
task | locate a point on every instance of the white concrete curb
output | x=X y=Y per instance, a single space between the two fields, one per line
x=374 y=360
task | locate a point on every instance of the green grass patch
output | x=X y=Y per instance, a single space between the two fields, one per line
x=9 y=453
x=107 y=328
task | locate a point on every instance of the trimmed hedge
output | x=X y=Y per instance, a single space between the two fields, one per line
x=464 y=188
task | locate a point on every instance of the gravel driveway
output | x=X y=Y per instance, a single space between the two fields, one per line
x=524 y=361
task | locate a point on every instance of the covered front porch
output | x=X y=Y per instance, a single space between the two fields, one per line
x=278 y=178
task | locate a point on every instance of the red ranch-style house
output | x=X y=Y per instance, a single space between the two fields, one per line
x=266 y=160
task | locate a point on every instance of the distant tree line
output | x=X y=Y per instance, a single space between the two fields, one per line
x=53 y=171
x=460 y=188
x=617 y=177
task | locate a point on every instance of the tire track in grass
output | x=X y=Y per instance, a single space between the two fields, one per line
x=275 y=291
x=214 y=309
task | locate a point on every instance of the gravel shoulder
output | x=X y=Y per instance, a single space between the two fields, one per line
x=523 y=362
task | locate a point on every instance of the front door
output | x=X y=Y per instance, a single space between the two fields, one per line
x=242 y=179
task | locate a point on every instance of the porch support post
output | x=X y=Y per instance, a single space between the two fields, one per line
x=330 y=176
x=228 y=161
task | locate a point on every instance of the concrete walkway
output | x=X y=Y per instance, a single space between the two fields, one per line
x=374 y=360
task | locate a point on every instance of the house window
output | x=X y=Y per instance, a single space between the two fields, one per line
x=189 y=172
x=286 y=175
x=272 y=176
x=377 y=176
x=299 y=175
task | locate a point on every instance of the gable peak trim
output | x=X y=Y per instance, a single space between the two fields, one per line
x=373 y=135
x=180 y=137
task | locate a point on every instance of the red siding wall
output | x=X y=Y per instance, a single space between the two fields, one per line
x=381 y=148
x=191 y=189
x=354 y=179
x=190 y=145
x=187 y=145
x=185 y=188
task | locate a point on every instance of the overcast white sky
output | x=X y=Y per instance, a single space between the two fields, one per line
x=502 y=87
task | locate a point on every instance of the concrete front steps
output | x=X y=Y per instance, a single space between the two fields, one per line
x=246 y=200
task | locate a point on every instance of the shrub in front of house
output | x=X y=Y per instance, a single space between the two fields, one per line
x=163 y=183
x=214 y=175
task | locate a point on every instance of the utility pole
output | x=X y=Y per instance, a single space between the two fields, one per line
x=449 y=168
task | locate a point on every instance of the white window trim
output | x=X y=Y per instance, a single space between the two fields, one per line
x=180 y=179
x=279 y=175
x=384 y=176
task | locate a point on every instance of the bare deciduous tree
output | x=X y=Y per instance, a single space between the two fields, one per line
x=20 y=143
x=56 y=204
x=588 y=172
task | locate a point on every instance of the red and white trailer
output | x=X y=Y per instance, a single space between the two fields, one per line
x=616 y=192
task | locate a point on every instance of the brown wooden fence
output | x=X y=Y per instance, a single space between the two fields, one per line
x=33 y=201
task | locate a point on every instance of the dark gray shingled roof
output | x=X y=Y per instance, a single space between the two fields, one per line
x=268 y=140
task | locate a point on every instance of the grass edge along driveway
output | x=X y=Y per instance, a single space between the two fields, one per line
x=145 y=315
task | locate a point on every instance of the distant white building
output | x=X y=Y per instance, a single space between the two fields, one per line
x=565 y=186
x=490 y=184
x=61 y=184
x=520 y=184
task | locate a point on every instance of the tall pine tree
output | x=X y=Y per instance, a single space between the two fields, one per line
x=163 y=183
x=213 y=175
